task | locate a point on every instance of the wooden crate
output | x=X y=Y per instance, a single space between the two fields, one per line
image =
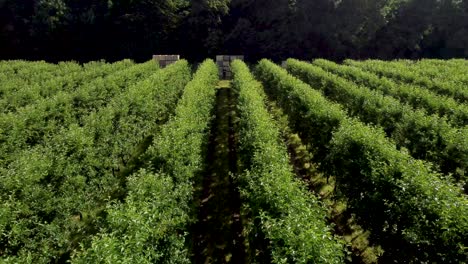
x=165 y=60
x=224 y=64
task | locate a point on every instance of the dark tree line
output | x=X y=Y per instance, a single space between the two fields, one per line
x=335 y=29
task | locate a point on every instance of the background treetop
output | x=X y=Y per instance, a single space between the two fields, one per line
x=335 y=29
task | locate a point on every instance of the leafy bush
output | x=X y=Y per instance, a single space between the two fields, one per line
x=291 y=218
x=405 y=204
x=400 y=73
x=426 y=137
x=296 y=97
x=416 y=96
x=399 y=196
x=151 y=225
x=56 y=193
x=20 y=92
x=31 y=125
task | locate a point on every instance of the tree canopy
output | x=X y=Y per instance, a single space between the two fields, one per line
x=334 y=29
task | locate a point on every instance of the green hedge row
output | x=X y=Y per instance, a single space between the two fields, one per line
x=416 y=96
x=292 y=220
x=151 y=225
x=20 y=92
x=400 y=199
x=443 y=70
x=54 y=196
x=455 y=89
x=43 y=119
x=427 y=137
x=34 y=72
x=292 y=97
x=445 y=63
x=439 y=70
x=401 y=196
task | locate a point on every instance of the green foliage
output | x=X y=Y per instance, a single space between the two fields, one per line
x=23 y=76
x=152 y=224
x=20 y=92
x=97 y=162
x=425 y=136
x=401 y=74
x=41 y=120
x=144 y=229
x=57 y=193
x=399 y=196
x=438 y=70
x=51 y=13
x=406 y=205
x=416 y=96
x=292 y=219
x=296 y=97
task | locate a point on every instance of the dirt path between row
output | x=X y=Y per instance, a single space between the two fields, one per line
x=218 y=233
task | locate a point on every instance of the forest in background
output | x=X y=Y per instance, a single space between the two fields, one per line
x=85 y=30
